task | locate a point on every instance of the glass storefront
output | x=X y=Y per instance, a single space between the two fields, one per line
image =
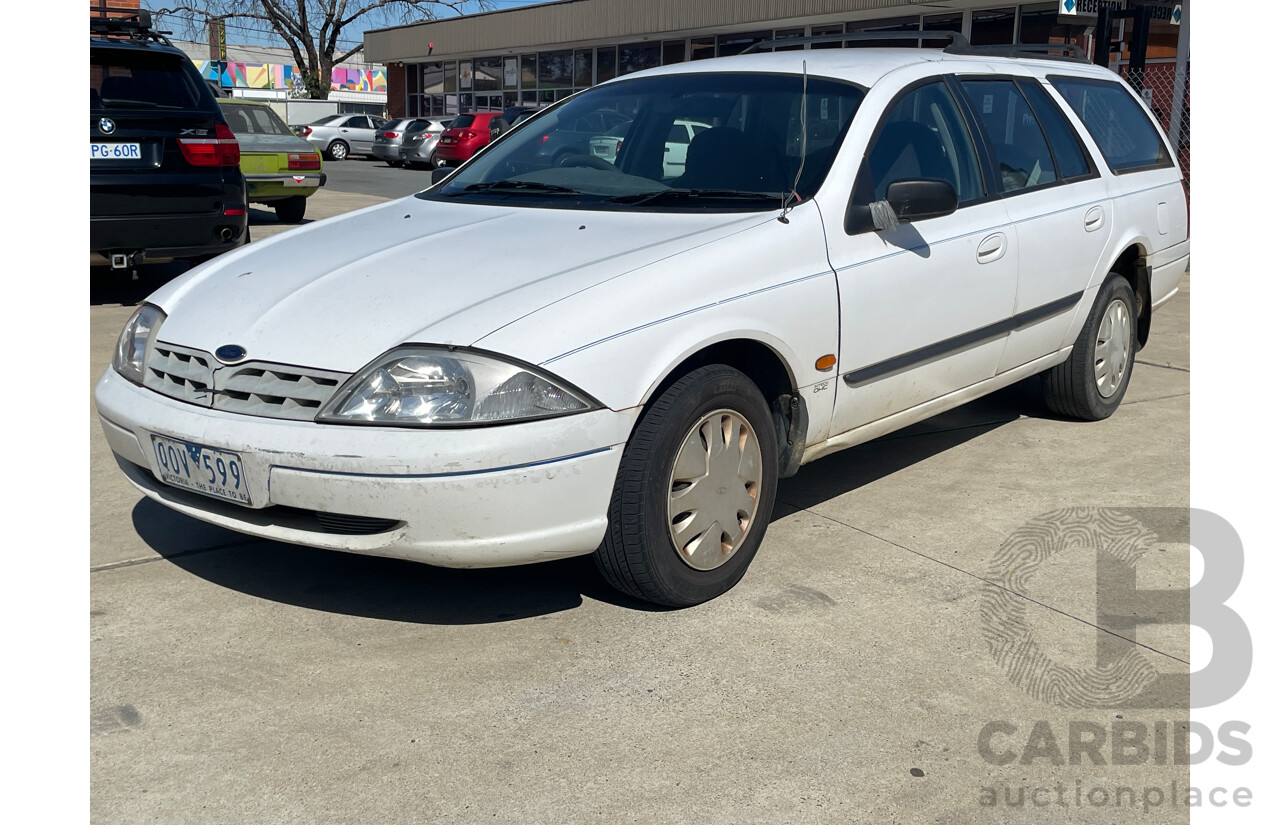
x=541 y=78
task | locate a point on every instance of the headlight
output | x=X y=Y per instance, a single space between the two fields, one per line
x=428 y=386
x=135 y=341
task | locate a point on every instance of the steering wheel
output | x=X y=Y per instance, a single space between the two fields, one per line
x=571 y=159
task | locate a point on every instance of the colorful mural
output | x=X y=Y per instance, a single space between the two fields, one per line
x=280 y=76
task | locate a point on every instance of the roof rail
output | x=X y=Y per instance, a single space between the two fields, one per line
x=134 y=24
x=1071 y=51
x=957 y=39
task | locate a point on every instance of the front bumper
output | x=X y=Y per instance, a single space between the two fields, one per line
x=476 y=497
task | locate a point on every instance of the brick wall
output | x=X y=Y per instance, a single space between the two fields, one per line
x=395 y=90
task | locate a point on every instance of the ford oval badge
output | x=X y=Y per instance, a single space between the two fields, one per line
x=230 y=353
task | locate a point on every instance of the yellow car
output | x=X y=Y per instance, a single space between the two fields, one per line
x=280 y=169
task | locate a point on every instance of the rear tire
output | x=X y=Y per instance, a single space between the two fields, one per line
x=338 y=150
x=291 y=210
x=1091 y=383
x=436 y=161
x=694 y=492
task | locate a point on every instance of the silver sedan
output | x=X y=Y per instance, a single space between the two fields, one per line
x=419 y=142
x=341 y=135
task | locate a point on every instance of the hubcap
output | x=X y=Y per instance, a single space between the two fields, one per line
x=714 y=489
x=1111 y=352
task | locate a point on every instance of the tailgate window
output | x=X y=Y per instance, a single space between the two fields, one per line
x=253 y=120
x=123 y=79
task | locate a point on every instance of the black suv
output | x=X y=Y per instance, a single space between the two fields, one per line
x=164 y=168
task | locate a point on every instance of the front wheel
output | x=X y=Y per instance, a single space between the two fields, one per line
x=694 y=492
x=1090 y=384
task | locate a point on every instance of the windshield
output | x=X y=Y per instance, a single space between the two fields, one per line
x=247 y=119
x=680 y=142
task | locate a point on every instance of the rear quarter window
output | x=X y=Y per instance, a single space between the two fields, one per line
x=1117 y=122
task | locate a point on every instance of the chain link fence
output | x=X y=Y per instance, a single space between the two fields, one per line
x=1168 y=93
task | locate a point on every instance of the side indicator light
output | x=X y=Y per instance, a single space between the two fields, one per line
x=825 y=363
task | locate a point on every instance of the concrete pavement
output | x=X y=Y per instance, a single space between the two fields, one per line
x=846 y=679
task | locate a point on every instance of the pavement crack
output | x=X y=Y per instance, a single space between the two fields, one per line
x=1160 y=366
x=1159 y=398
x=115 y=565
x=985 y=580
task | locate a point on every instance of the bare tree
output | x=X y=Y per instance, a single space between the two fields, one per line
x=313 y=29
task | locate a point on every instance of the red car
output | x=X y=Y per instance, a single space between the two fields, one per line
x=466 y=135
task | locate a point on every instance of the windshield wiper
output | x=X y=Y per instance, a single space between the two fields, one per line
x=530 y=186
x=677 y=195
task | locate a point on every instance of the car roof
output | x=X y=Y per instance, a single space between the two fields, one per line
x=864 y=65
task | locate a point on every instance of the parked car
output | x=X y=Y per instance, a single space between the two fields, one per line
x=562 y=138
x=389 y=139
x=607 y=146
x=419 y=146
x=340 y=136
x=860 y=240
x=280 y=169
x=164 y=167
x=513 y=114
x=467 y=135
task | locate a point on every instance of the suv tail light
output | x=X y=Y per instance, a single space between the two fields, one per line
x=304 y=161
x=221 y=150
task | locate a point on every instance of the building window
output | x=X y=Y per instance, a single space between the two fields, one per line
x=942 y=23
x=672 y=52
x=888 y=24
x=700 y=48
x=833 y=28
x=555 y=69
x=783 y=34
x=606 y=63
x=582 y=68
x=993 y=27
x=1039 y=24
x=528 y=71
x=488 y=74
x=636 y=56
x=727 y=44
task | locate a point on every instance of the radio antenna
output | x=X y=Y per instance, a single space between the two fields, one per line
x=804 y=143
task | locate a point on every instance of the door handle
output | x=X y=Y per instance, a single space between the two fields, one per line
x=992 y=248
x=1094 y=218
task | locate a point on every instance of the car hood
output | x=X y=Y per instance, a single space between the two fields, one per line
x=254 y=144
x=336 y=293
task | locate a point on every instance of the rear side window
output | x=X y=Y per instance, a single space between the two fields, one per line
x=127 y=79
x=1067 y=151
x=462 y=121
x=1020 y=146
x=1117 y=122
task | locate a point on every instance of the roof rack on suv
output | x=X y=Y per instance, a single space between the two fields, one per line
x=959 y=44
x=131 y=23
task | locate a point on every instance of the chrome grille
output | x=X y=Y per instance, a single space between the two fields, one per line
x=253 y=388
x=180 y=372
x=274 y=391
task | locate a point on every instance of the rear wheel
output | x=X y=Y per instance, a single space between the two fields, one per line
x=695 y=491
x=1091 y=383
x=338 y=150
x=291 y=210
x=436 y=161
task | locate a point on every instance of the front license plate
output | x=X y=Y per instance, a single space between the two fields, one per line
x=115 y=151
x=203 y=469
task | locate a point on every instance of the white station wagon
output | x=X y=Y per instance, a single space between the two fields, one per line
x=862 y=238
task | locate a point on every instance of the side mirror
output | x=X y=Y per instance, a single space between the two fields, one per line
x=918 y=200
x=440 y=173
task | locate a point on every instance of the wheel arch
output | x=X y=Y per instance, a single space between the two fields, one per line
x=770 y=371
x=1131 y=264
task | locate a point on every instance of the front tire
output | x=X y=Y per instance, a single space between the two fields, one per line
x=1091 y=383
x=694 y=492
x=338 y=150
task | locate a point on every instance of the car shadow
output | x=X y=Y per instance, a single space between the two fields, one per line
x=403 y=591
x=129 y=287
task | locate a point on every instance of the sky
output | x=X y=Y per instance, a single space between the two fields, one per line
x=244 y=32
